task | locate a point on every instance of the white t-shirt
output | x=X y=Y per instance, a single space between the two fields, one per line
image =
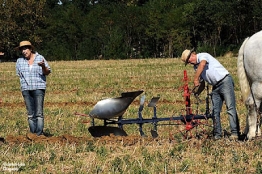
x=213 y=70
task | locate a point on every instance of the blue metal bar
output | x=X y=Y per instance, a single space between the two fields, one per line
x=156 y=120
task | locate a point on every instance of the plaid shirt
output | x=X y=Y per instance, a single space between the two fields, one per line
x=31 y=78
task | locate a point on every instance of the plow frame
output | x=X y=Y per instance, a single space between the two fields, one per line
x=189 y=119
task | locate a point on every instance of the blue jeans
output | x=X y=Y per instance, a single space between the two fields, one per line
x=34 y=100
x=224 y=91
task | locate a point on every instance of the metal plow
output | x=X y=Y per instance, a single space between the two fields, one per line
x=111 y=111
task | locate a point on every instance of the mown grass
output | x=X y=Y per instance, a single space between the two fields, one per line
x=76 y=86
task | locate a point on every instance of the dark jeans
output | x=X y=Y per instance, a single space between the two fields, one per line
x=224 y=91
x=34 y=100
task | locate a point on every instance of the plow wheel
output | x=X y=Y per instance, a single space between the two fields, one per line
x=187 y=129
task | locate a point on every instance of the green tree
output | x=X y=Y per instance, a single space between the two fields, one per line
x=20 y=20
x=63 y=33
x=84 y=29
x=163 y=29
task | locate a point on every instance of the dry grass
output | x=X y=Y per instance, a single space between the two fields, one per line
x=78 y=85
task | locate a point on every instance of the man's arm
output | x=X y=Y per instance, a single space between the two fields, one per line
x=198 y=72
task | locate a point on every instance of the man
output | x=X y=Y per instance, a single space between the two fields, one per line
x=213 y=72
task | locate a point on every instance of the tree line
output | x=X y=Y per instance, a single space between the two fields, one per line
x=123 y=29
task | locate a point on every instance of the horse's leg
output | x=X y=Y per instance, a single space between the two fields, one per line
x=251 y=119
x=247 y=123
x=253 y=129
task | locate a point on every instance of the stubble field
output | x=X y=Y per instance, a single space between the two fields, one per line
x=76 y=86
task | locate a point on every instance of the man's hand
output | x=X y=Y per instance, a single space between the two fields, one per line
x=196 y=83
x=198 y=89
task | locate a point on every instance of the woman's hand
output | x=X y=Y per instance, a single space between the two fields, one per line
x=42 y=63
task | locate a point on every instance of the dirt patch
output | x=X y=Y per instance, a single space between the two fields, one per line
x=29 y=138
x=104 y=140
x=69 y=139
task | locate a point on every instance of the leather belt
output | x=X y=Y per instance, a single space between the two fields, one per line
x=221 y=80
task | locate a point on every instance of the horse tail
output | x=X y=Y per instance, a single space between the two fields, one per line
x=241 y=72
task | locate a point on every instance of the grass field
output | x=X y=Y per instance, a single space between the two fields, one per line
x=76 y=86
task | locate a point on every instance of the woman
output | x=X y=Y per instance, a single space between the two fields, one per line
x=32 y=69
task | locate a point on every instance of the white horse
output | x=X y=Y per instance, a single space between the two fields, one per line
x=249 y=70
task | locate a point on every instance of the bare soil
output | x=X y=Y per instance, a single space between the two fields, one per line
x=69 y=139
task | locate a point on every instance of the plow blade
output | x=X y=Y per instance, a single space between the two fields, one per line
x=2 y=139
x=113 y=107
x=99 y=131
x=153 y=102
x=154 y=133
x=132 y=94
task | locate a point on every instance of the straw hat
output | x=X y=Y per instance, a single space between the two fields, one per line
x=24 y=43
x=186 y=55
